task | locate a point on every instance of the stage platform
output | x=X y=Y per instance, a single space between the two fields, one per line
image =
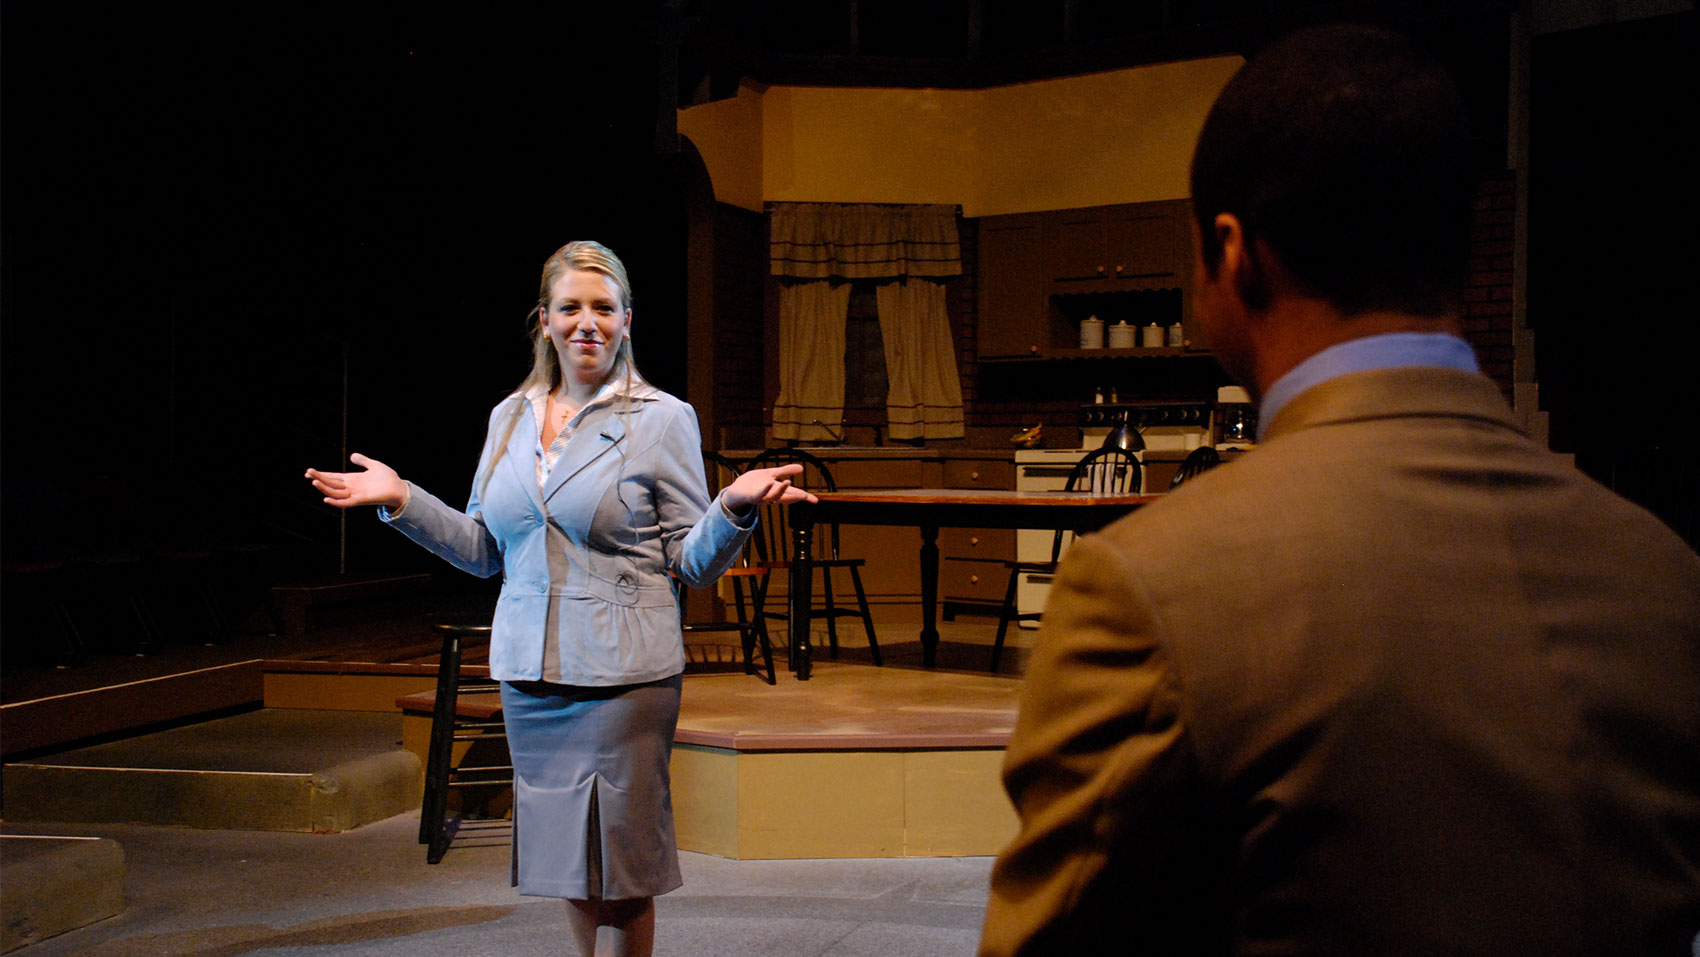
x=857 y=762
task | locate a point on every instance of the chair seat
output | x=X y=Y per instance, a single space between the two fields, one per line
x=743 y=572
x=820 y=563
x=483 y=706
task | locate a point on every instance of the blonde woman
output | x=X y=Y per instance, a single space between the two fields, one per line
x=589 y=492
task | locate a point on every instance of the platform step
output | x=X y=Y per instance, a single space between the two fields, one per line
x=295 y=601
x=269 y=770
x=49 y=885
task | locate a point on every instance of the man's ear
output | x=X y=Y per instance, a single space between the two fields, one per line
x=1243 y=265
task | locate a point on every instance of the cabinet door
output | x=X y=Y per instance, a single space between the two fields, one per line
x=1013 y=285
x=1076 y=238
x=1141 y=241
x=979 y=473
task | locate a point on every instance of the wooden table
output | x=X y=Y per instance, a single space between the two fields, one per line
x=930 y=509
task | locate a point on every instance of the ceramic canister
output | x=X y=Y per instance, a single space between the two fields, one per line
x=1123 y=336
x=1092 y=333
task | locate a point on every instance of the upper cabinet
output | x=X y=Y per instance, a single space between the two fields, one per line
x=1042 y=273
x=1014 y=279
x=1129 y=244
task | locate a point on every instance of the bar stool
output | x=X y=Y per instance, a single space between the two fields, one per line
x=456 y=720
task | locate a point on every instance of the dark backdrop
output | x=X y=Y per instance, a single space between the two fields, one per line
x=207 y=212
x=1611 y=255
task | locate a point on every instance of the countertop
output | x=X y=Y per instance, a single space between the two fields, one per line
x=910 y=453
x=902 y=452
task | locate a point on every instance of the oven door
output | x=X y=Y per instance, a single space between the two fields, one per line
x=1039 y=470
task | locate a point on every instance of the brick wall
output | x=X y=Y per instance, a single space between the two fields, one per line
x=1487 y=315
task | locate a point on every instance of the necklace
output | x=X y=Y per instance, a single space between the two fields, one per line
x=564 y=411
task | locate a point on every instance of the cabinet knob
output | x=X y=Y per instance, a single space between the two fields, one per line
x=1033 y=349
x=974 y=541
x=974 y=476
x=1118 y=269
x=974 y=579
x=1100 y=268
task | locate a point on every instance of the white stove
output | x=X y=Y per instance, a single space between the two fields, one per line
x=1165 y=426
x=1043 y=470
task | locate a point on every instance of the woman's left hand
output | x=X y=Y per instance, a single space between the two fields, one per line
x=760 y=486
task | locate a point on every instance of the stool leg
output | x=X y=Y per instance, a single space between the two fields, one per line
x=434 y=807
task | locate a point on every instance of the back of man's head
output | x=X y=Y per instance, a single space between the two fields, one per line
x=1345 y=150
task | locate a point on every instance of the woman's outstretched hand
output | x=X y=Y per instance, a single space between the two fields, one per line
x=758 y=486
x=377 y=485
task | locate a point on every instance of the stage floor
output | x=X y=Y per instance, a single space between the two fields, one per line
x=849 y=706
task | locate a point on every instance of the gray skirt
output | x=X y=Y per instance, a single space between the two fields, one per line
x=593 y=813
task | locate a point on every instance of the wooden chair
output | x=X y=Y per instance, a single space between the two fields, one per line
x=773 y=548
x=473 y=720
x=1201 y=459
x=1107 y=471
x=751 y=626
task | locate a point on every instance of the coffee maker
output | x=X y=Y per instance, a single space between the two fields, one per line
x=1234 y=418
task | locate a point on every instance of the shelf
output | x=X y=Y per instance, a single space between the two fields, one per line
x=1161 y=352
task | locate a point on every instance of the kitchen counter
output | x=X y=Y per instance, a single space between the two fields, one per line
x=832 y=453
x=884 y=452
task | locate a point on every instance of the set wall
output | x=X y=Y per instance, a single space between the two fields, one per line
x=728 y=134
x=1120 y=137
x=1124 y=136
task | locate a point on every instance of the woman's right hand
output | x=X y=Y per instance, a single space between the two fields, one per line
x=377 y=485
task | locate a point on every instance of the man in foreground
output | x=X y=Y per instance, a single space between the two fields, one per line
x=1398 y=681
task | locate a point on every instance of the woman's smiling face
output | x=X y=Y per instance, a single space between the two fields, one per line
x=587 y=322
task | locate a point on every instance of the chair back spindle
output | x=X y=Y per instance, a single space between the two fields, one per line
x=1106 y=471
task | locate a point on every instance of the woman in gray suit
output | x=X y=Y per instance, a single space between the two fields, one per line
x=588 y=495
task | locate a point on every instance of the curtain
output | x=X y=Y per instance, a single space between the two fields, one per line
x=925 y=400
x=863 y=241
x=811 y=361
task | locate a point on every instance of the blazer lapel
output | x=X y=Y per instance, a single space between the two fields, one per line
x=521 y=456
x=600 y=432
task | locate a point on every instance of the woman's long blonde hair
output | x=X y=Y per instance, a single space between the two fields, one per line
x=581 y=256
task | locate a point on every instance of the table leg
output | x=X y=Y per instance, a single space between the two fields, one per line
x=802 y=581
x=929 y=594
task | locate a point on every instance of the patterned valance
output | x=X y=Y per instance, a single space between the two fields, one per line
x=864 y=241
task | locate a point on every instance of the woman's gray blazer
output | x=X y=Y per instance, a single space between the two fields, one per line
x=625 y=504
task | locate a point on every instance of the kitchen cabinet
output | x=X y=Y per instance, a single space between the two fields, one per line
x=1014 y=276
x=1119 y=247
x=1040 y=274
x=971 y=570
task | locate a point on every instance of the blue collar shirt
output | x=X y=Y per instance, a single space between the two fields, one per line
x=1393 y=350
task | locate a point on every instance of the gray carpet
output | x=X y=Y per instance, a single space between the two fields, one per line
x=370 y=892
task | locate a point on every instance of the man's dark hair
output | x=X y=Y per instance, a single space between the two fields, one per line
x=1345 y=149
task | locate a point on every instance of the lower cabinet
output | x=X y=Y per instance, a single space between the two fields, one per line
x=972 y=576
